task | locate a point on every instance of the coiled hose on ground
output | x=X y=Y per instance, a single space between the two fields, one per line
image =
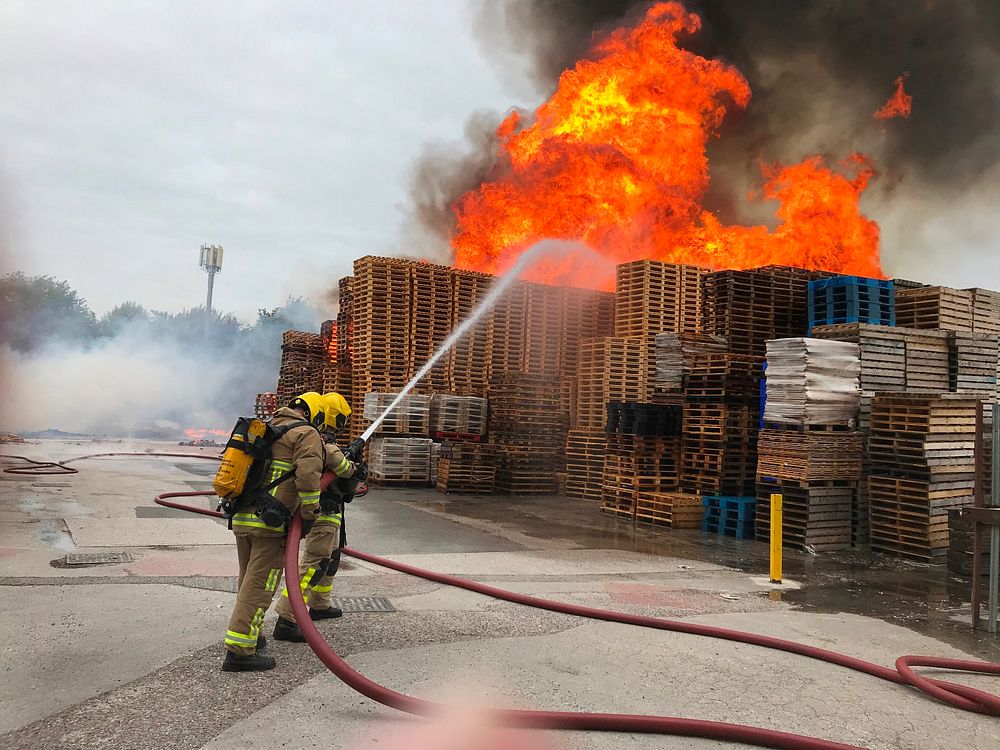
x=959 y=696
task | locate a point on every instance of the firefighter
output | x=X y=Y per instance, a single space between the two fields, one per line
x=260 y=539
x=323 y=544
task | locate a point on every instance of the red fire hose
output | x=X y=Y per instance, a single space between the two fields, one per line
x=960 y=696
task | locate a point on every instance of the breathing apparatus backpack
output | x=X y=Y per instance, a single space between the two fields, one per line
x=239 y=482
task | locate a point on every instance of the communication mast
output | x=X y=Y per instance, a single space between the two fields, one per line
x=211 y=261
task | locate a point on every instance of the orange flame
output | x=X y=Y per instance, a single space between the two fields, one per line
x=616 y=159
x=195 y=433
x=899 y=103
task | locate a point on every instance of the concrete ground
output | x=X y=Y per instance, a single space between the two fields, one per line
x=126 y=655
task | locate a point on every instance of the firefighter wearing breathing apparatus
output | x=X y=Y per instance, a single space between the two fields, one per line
x=295 y=469
x=321 y=554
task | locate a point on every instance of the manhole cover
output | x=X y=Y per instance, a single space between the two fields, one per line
x=97 y=558
x=363 y=604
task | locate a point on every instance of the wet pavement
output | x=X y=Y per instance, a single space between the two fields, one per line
x=137 y=643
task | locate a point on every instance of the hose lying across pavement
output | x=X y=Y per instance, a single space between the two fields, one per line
x=959 y=696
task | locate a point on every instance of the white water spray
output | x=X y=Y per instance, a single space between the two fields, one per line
x=529 y=256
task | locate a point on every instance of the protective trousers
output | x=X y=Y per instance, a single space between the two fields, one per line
x=261 y=559
x=317 y=566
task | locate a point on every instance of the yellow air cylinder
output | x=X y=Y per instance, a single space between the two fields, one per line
x=238 y=458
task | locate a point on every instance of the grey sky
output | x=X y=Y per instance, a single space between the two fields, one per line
x=134 y=132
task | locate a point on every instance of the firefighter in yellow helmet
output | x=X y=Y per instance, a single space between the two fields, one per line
x=260 y=533
x=321 y=555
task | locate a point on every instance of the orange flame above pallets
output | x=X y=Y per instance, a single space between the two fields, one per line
x=616 y=159
x=899 y=103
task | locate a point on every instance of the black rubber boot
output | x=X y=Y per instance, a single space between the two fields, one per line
x=261 y=642
x=325 y=614
x=286 y=630
x=252 y=663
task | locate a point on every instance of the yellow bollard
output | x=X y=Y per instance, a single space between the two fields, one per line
x=775 y=538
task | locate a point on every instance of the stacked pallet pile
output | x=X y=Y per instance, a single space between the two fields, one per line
x=345 y=336
x=679 y=510
x=381 y=324
x=466 y=468
x=719 y=450
x=936 y=308
x=634 y=465
x=585 y=449
x=302 y=360
x=749 y=308
x=431 y=317
x=327 y=378
x=652 y=297
x=810 y=452
x=985 y=311
x=468 y=360
x=922 y=463
x=528 y=432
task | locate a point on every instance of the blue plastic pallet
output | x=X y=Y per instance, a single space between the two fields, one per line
x=851 y=299
x=729 y=516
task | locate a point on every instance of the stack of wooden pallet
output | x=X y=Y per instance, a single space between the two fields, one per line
x=431 y=318
x=544 y=308
x=302 y=360
x=935 y=307
x=817 y=515
x=458 y=417
x=675 y=354
x=468 y=361
x=587 y=314
x=810 y=454
x=610 y=369
x=328 y=335
x=817 y=471
x=382 y=324
x=679 y=510
x=812 y=382
x=652 y=297
x=927 y=366
x=585 y=449
x=411 y=416
x=723 y=377
x=466 y=468
x=748 y=308
x=985 y=311
x=719 y=448
x=922 y=463
x=506 y=325
x=400 y=461
x=973 y=360
x=528 y=431
x=634 y=464
x=345 y=322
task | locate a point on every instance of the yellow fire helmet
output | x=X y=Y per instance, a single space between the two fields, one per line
x=337 y=410
x=314 y=407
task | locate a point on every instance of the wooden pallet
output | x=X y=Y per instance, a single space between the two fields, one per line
x=400 y=460
x=882 y=350
x=466 y=468
x=652 y=296
x=935 y=307
x=675 y=509
x=808 y=455
x=585 y=452
x=814 y=516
